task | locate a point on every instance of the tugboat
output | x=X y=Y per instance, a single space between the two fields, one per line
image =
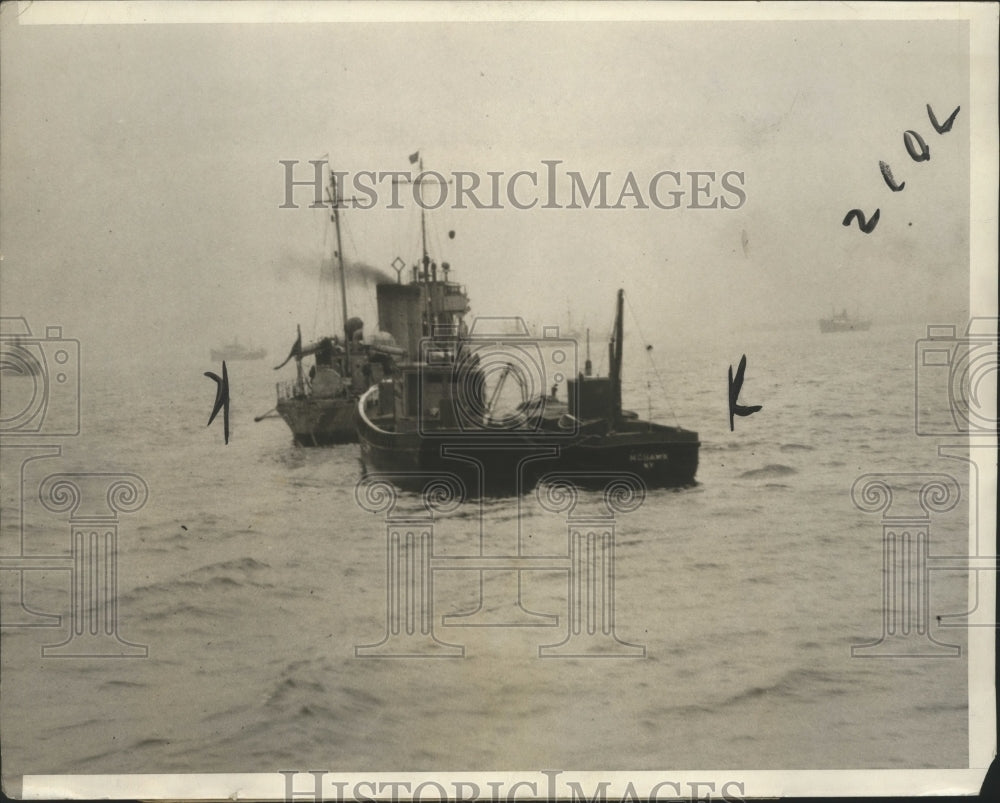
x=318 y=405
x=842 y=322
x=448 y=407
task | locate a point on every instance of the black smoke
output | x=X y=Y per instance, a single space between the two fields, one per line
x=328 y=270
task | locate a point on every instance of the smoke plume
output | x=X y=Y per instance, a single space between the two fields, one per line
x=328 y=270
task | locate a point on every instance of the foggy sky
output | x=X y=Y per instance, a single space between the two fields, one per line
x=141 y=184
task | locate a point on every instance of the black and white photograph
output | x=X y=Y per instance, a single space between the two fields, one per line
x=497 y=401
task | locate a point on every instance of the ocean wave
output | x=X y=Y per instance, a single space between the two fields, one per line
x=291 y=687
x=770 y=470
x=122 y=684
x=186 y=614
x=802 y=684
x=224 y=574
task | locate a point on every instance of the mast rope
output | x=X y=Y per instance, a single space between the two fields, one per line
x=649 y=356
x=323 y=296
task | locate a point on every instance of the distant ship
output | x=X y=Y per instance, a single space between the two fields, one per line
x=237 y=351
x=842 y=322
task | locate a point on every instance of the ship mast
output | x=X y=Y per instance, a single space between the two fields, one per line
x=335 y=217
x=616 y=362
x=423 y=229
x=425 y=259
x=300 y=377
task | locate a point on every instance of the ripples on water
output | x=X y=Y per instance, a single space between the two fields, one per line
x=252 y=574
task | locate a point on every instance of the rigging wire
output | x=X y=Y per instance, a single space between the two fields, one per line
x=652 y=364
x=348 y=235
x=323 y=294
x=412 y=244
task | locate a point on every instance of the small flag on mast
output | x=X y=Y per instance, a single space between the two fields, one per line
x=414 y=157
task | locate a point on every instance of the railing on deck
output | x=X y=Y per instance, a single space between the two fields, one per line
x=291 y=389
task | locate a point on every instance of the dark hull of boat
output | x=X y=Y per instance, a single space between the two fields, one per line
x=662 y=457
x=319 y=422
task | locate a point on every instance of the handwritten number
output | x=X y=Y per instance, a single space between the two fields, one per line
x=919 y=151
x=887 y=175
x=867 y=226
x=921 y=155
x=944 y=127
x=221 y=399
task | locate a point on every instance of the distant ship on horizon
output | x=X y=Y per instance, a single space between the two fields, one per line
x=237 y=351
x=842 y=322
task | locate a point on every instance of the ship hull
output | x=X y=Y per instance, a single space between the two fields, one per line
x=662 y=457
x=319 y=422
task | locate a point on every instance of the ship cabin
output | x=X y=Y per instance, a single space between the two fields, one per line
x=425 y=318
x=425 y=309
x=589 y=397
x=438 y=385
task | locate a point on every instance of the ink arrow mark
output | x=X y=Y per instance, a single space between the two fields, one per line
x=221 y=399
x=944 y=127
x=735 y=386
x=866 y=226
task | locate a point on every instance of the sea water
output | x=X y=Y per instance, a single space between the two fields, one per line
x=252 y=573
